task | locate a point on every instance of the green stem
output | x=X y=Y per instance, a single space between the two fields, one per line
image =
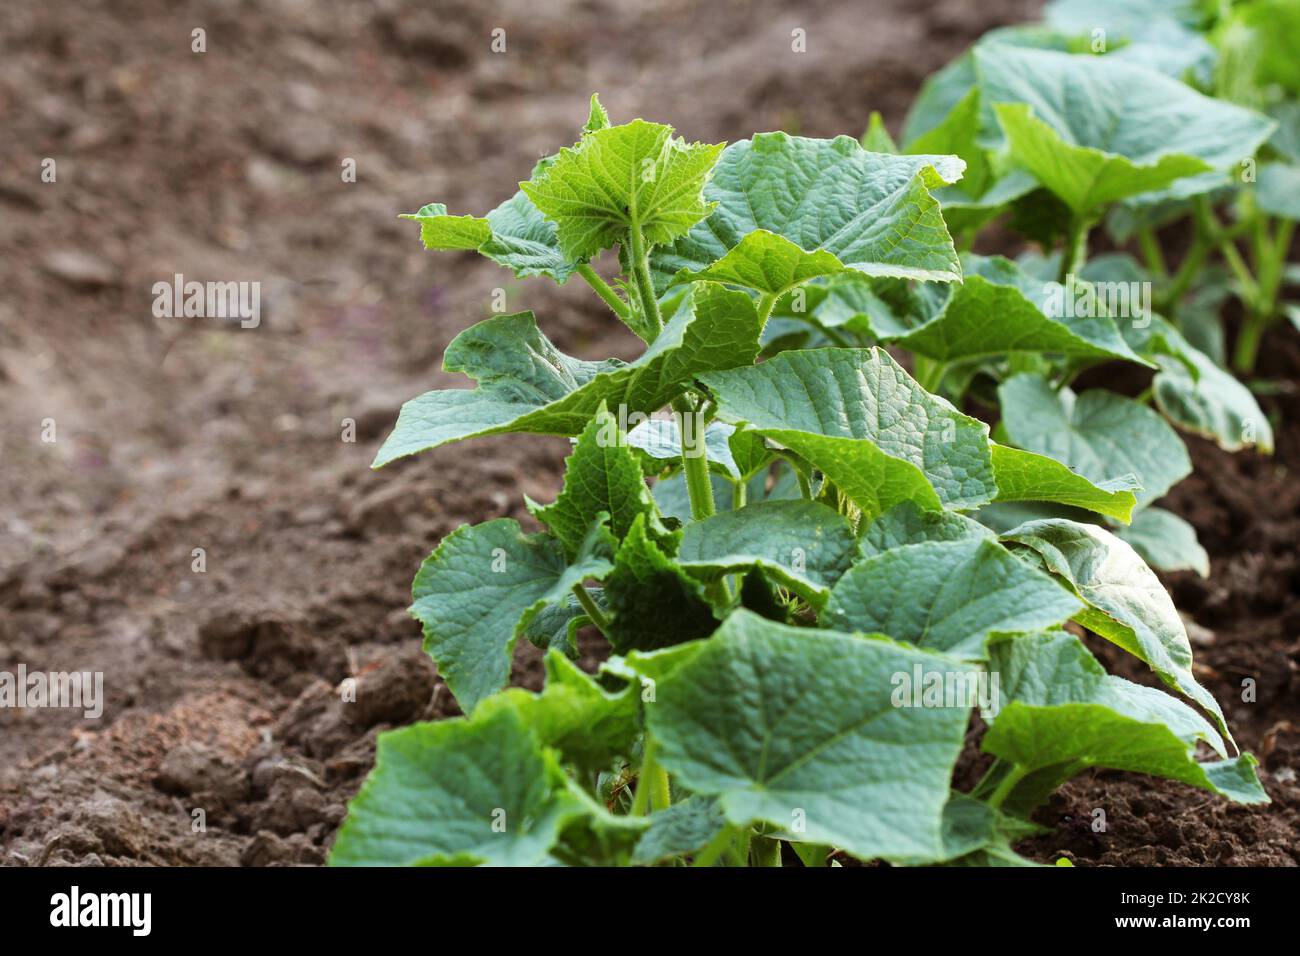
x=765 y=309
x=805 y=487
x=639 y=253
x=604 y=290
x=591 y=609
x=1246 y=351
x=652 y=790
x=765 y=851
x=1152 y=253
x=1013 y=777
x=719 y=845
x=739 y=495
x=1076 y=247
x=695 y=462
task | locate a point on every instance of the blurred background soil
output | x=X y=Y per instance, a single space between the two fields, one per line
x=179 y=434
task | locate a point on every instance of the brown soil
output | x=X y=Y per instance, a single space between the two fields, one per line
x=178 y=434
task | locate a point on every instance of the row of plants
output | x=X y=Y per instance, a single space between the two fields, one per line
x=810 y=565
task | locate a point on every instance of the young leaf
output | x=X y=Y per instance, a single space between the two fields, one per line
x=457 y=792
x=1167 y=542
x=478 y=591
x=1127 y=604
x=804 y=545
x=767 y=263
x=795 y=728
x=652 y=602
x=526 y=384
x=1096 y=129
x=1098 y=434
x=871 y=211
x=1065 y=714
x=587 y=724
x=620 y=179
x=861 y=420
x=876 y=139
x=602 y=476
x=1026 y=476
x=947 y=596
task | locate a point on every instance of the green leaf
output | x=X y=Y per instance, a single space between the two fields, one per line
x=999 y=309
x=620 y=178
x=556 y=625
x=872 y=211
x=876 y=139
x=1127 y=604
x=1099 y=434
x=737 y=455
x=597 y=118
x=1094 y=130
x=526 y=384
x=479 y=590
x=515 y=235
x=791 y=726
x=457 y=792
x=803 y=545
x=1198 y=395
x=767 y=263
x=947 y=596
x=860 y=419
x=602 y=476
x=678 y=830
x=588 y=725
x=652 y=602
x=1067 y=714
x=1277 y=190
x=1167 y=542
x=907 y=524
x=1026 y=476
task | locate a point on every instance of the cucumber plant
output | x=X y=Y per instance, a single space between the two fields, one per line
x=783 y=537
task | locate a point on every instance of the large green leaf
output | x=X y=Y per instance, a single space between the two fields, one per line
x=802 y=544
x=1094 y=130
x=652 y=602
x=602 y=476
x=1099 y=434
x=526 y=384
x=860 y=419
x=620 y=178
x=999 y=309
x=947 y=596
x=479 y=590
x=1027 y=476
x=1166 y=542
x=1127 y=604
x=457 y=792
x=1065 y=714
x=795 y=728
x=871 y=211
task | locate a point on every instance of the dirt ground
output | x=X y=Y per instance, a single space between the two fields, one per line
x=223 y=740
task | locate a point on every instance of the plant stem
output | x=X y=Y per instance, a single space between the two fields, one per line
x=652 y=782
x=604 y=290
x=765 y=309
x=739 y=495
x=695 y=462
x=719 y=845
x=765 y=851
x=1076 y=246
x=1013 y=777
x=1246 y=351
x=805 y=486
x=591 y=609
x=639 y=253
x=1151 y=252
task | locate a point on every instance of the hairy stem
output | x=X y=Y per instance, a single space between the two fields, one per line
x=607 y=293
x=639 y=254
x=591 y=609
x=1076 y=247
x=695 y=462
